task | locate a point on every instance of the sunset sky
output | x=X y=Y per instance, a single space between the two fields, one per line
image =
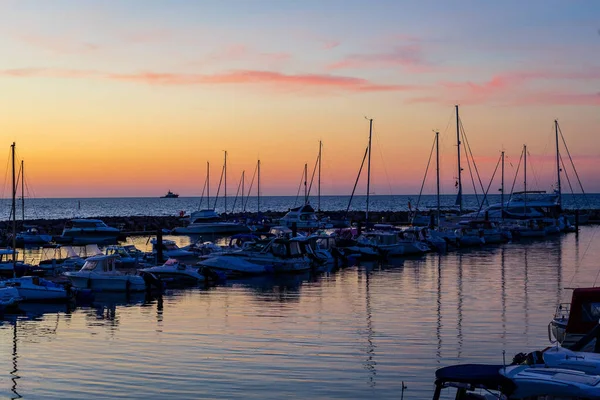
x=131 y=98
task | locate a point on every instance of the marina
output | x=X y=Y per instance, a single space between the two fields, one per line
x=374 y=326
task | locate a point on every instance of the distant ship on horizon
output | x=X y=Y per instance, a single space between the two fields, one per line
x=170 y=195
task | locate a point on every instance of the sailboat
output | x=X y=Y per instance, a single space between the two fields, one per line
x=304 y=216
x=208 y=221
x=31 y=235
x=30 y=288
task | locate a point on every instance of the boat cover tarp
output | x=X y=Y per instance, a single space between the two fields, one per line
x=480 y=375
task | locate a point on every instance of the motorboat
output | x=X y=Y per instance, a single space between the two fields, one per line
x=87 y=231
x=390 y=243
x=32 y=236
x=276 y=255
x=173 y=270
x=56 y=259
x=478 y=232
x=170 y=195
x=8 y=268
x=304 y=217
x=100 y=273
x=233 y=266
x=522 y=381
x=123 y=257
x=171 y=250
x=209 y=222
x=34 y=288
x=572 y=321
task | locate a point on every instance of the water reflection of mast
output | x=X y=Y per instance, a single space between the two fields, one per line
x=438 y=329
x=503 y=299
x=370 y=363
x=460 y=304
x=526 y=296
x=14 y=372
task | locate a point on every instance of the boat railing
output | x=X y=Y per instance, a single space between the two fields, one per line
x=562 y=311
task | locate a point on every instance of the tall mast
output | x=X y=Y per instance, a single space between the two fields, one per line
x=557 y=164
x=14 y=216
x=208 y=183
x=243 y=183
x=23 y=191
x=225 y=171
x=525 y=178
x=459 y=198
x=369 y=171
x=437 y=156
x=305 y=187
x=502 y=188
x=258 y=190
x=319 y=189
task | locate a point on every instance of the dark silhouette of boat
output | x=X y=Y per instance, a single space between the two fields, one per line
x=170 y=195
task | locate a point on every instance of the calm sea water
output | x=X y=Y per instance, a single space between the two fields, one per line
x=354 y=333
x=150 y=206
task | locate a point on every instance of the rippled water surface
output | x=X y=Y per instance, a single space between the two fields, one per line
x=358 y=332
x=153 y=206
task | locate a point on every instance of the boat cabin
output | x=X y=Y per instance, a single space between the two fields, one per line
x=205 y=216
x=85 y=224
x=102 y=264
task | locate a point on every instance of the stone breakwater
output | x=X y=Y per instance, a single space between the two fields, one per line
x=150 y=224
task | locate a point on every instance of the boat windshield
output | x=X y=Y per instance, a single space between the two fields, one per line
x=89 y=265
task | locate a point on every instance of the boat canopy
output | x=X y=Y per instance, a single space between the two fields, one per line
x=478 y=375
x=585 y=310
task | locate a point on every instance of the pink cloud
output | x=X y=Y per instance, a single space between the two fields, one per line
x=273 y=79
x=514 y=88
x=409 y=57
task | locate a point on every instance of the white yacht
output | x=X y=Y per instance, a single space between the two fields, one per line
x=100 y=273
x=171 y=250
x=32 y=236
x=275 y=255
x=34 y=288
x=86 y=231
x=173 y=270
x=304 y=217
x=209 y=222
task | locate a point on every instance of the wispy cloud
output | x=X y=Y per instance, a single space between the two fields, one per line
x=272 y=79
x=409 y=57
x=57 y=44
x=517 y=88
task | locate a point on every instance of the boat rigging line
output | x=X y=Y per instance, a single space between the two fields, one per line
x=423 y=182
x=468 y=145
x=489 y=185
x=512 y=188
x=357 y=178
